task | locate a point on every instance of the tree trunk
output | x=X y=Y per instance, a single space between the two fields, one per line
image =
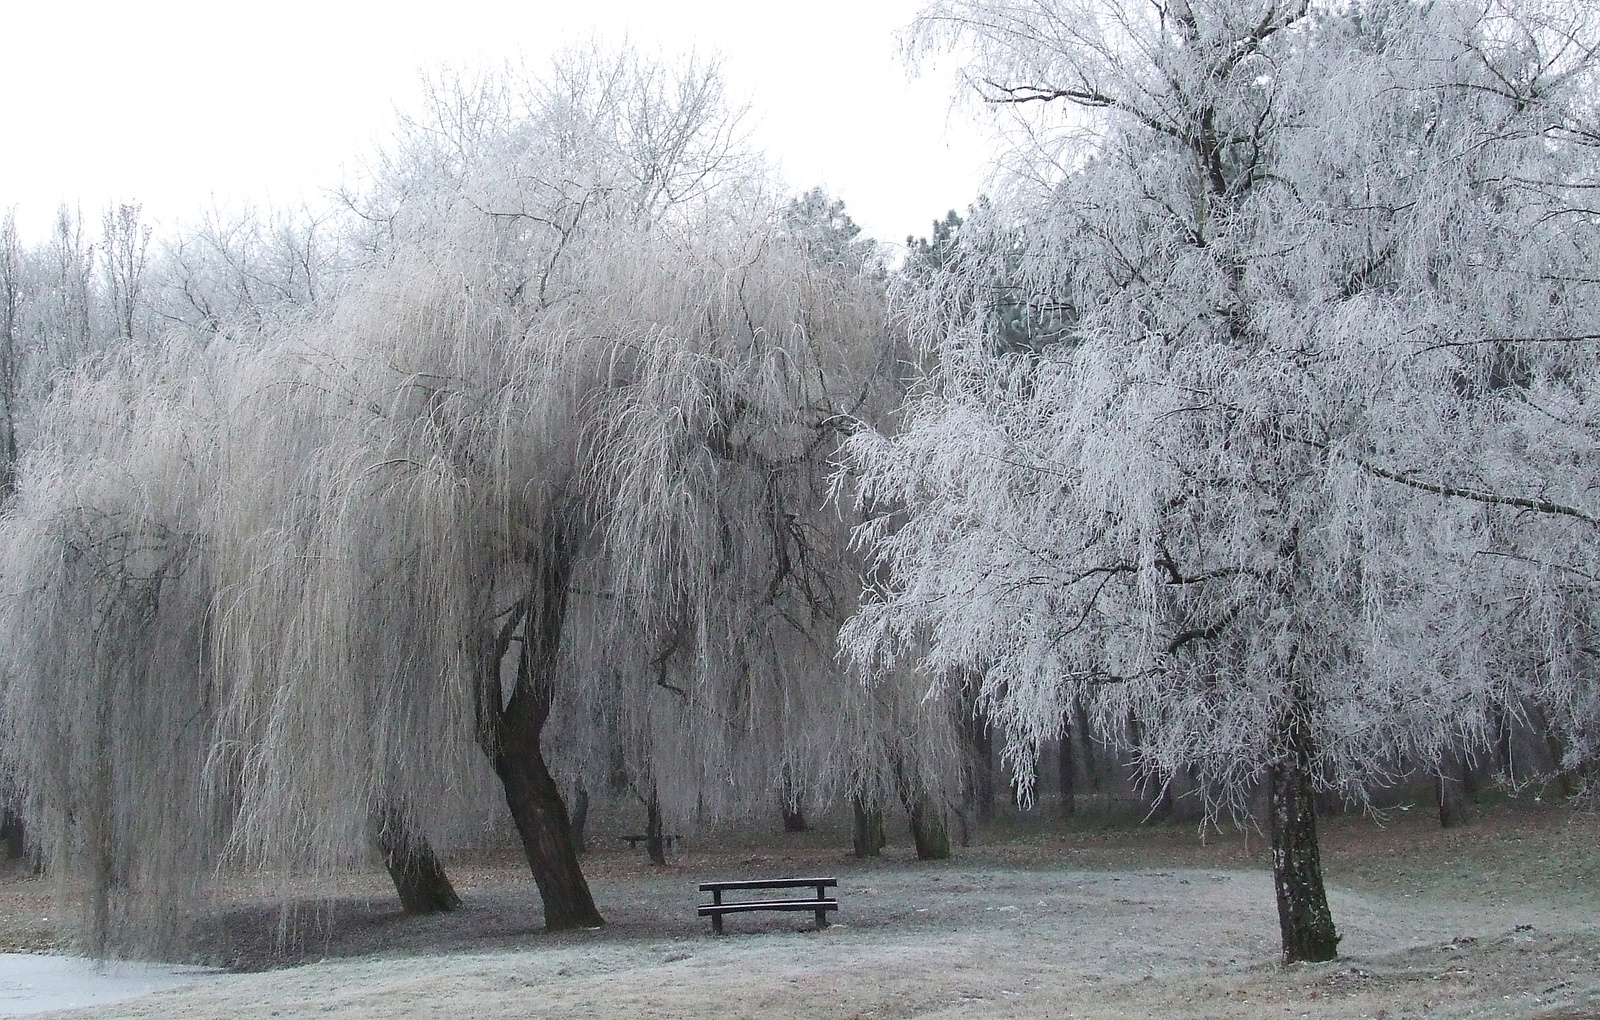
x=1449 y=785
x=794 y=819
x=418 y=876
x=974 y=728
x=510 y=731
x=1304 y=919
x=1091 y=766
x=1161 y=805
x=580 y=818
x=982 y=770
x=1068 y=774
x=1501 y=728
x=546 y=833
x=869 y=835
x=14 y=834
x=655 y=845
x=1018 y=782
x=929 y=832
x=1566 y=782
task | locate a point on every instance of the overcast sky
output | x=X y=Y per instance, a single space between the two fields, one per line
x=176 y=103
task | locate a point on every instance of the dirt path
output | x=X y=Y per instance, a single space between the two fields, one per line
x=1016 y=928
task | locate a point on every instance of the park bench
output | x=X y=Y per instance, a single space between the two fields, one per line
x=820 y=904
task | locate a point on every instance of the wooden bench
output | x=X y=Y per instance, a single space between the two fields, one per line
x=820 y=904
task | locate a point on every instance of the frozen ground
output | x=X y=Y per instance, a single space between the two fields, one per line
x=1495 y=919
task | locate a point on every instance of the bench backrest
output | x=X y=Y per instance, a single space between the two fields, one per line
x=769 y=883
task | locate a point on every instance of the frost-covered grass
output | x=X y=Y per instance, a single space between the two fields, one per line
x=1035 y=920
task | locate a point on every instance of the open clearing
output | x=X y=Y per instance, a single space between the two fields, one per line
x=1493 y=919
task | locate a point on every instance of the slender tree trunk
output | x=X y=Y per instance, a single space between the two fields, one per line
x=1014 y=787
x=580 y=818
x=982 y=770
x=1091 y=764
x=930 y=833
x=1068 y=774
x=10 y=311
x=1449 y=784
x=511 y=736
x=1304 y=919
x=794 y=819
x=1500 y=718
x=1161 y=805
x=654 y=843
x=869 y=835
x=418 y=876
x=1565 y=781
x=974 y=727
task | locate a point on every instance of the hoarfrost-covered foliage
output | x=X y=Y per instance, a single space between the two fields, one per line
x=547 y=478
x=110 y=681
x=1296 y=473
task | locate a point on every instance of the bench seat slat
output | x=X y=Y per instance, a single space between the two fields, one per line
x=712 y=909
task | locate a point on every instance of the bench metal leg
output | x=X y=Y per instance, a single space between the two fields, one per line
x=822 y=919
x=716 y=924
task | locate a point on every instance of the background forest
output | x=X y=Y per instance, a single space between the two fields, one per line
x=1244 y=435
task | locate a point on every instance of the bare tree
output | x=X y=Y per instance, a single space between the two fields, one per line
x=125 y=249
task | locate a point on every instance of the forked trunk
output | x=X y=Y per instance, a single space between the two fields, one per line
x=1304 y=919
x=511 y=729
x=418 y=876
x=869 y=834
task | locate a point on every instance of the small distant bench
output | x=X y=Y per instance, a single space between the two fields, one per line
x=819 y=904
x=666 y=841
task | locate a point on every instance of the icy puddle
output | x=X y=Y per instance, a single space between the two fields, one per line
x=37 y=984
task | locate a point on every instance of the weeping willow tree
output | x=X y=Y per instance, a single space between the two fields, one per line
x=575 y=432
x=544 y=486
x=110 y=684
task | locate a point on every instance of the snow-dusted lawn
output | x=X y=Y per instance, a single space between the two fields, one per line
x=1016 y=929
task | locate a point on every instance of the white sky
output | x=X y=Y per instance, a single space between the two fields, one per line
x=179 y=103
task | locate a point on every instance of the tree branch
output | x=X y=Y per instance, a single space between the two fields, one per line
x=1542 y=506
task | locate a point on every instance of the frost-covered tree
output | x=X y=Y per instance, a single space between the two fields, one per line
x=124 y=259
x=108 y=681
x=10 y=368
x=576 y=433
x=246 y=274
x=543 y=489
x=1226 y=498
